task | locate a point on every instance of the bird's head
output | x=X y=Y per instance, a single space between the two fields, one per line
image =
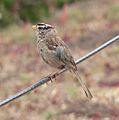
x=44 y=30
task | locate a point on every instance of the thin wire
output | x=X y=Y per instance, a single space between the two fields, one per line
x=97 y=49
x=48 y=78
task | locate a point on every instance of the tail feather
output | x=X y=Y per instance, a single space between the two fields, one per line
x=86 y=90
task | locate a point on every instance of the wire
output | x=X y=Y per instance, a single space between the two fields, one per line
x=48 y=78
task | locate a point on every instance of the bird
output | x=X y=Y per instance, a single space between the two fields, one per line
x=55 y=52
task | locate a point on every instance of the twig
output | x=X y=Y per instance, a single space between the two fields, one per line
x=48 y=78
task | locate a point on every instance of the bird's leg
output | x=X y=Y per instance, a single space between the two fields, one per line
x=51 y=78
x=53 y=75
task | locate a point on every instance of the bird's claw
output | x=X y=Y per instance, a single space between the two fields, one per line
x=53 y=75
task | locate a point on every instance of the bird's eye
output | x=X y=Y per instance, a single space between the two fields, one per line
x=39 y=28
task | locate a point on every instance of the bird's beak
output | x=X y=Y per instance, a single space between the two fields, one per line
x=34 y=27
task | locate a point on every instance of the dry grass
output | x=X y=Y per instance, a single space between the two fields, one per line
x=20 y=66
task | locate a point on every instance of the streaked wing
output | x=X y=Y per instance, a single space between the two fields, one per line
x=62 y=52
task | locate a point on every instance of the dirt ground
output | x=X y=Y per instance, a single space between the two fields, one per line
x=83 y=26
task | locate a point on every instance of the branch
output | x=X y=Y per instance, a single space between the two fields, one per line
x=48 y=78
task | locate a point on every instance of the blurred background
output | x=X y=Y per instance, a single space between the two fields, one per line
x=83 y=25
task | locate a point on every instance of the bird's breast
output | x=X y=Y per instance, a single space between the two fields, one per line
x=49 y=56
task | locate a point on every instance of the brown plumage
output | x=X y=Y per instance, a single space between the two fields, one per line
x=55 y=52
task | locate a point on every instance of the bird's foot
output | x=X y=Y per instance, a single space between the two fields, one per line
x=53 y=75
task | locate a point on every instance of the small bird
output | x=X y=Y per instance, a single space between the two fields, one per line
x=55 y=52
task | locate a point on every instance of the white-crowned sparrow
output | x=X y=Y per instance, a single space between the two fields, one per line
x=55 y=52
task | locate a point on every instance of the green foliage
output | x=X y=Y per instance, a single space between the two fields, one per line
x=5 y=16
x=33 y=11
x=8 y=4
x=27 y=10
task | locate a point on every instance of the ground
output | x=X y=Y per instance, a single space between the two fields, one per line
x=83 y=29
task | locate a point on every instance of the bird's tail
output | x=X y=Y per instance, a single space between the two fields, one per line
x=84 y=87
